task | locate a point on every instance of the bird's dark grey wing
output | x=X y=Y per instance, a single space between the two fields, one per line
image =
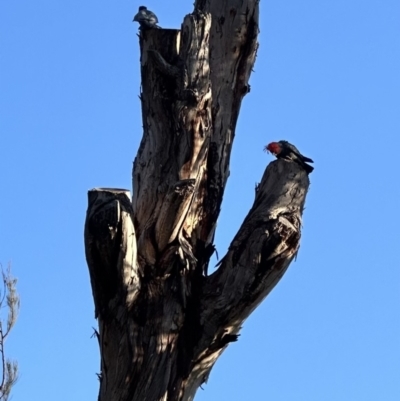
x=292 y=148
x=152 y=17
x=296 y=151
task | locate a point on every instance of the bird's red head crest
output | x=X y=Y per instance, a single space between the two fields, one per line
x=274 y=148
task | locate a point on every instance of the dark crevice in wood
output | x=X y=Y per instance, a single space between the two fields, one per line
x=163 y=321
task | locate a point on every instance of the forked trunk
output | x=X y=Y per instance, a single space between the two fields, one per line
x=163 y=321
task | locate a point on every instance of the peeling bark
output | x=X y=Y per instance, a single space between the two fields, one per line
x=162 y=321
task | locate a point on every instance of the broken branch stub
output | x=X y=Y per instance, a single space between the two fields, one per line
x=264 y=246
x=110 y=246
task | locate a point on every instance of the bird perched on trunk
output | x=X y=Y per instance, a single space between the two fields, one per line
x=146 y=18
x=285 y=150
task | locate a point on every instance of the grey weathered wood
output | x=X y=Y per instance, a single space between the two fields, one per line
x=162 y=321
x=257 y=258
x=110 y=246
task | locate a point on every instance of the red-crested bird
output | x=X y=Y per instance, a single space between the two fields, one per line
x=285 y=150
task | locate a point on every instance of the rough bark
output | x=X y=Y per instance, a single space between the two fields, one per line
x=162 y=321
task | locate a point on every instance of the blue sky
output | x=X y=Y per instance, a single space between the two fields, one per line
x=326 y=78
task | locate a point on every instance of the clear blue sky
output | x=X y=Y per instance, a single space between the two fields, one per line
x=327 y=78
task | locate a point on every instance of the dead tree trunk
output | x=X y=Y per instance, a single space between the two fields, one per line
x=162 y=321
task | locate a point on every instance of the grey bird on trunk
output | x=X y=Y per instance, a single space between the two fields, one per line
x=146 y=18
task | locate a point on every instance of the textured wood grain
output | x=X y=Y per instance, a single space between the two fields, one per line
x=163 y=322
x=110 y=246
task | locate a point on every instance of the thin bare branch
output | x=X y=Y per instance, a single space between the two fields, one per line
x=9 y=368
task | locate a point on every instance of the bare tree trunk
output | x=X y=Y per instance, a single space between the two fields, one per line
x=162 y=321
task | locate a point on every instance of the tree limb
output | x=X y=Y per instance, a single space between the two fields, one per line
x=257 y=258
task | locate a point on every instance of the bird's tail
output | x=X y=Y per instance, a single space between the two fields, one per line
x=309 y=169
